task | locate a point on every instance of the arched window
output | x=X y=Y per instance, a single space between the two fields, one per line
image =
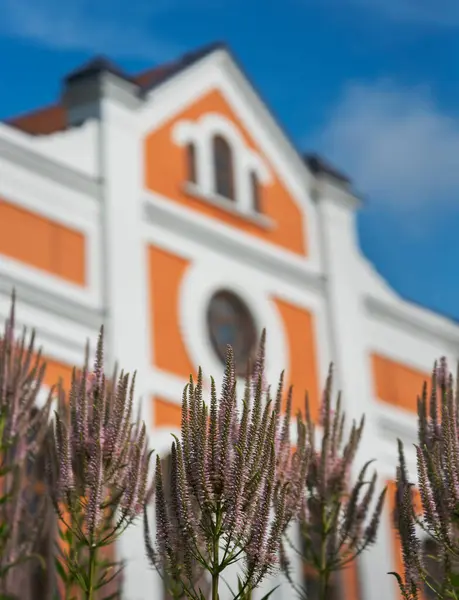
x=255 y=188
x=223 y=167
x=191 y=162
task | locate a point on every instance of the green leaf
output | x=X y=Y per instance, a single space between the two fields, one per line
x=61 y=570
x=269 y=593
x=454 y=580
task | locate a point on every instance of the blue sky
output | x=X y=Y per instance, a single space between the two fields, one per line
x=372 y=84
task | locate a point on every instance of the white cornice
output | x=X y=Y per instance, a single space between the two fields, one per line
x=263 y=112
x=33 y=161
x=405 y=317
x=276 y=261
x=52 y=303
x=325 y=189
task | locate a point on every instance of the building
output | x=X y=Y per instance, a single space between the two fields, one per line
x=172 y=207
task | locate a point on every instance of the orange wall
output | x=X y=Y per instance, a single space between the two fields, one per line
x=165 y=173
x=396 y=383
x=42 y=243
x=165 y=274
x=351 y=584
x=55 y=371
x=302 y=343
x=166 y=414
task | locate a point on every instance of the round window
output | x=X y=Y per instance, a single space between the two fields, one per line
x=230 y=323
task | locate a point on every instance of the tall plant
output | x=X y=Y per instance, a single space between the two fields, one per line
x=336 y=523
x=23 y=426
x=437 y=454
x=98 y=463
x=227 y=501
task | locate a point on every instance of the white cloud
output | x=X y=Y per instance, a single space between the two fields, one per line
x=116 y=29
x=396 y=145
x=443 y=13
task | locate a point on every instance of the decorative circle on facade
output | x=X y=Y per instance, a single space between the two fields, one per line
x=230 y=321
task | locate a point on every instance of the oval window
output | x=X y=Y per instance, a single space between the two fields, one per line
x=230 y=322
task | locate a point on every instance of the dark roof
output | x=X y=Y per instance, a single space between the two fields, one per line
x=41 y=121
x=50 y=119
x=53 y=118
x=153 y=77
x=319 y=165
x=95 y=66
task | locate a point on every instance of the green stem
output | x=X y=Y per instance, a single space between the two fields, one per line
x=323 y=570
x=216 y=555
x=323 y=573
x=92 y=572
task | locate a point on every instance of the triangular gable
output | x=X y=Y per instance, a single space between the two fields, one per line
x=215 y=87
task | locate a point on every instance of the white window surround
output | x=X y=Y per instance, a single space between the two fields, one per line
x=230 y=206
x=201 y=133
x=201 y=281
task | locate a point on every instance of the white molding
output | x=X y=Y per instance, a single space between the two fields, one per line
x=405 y=345
x=217 y=72
x=162 y=438
x=62 y=206
x=394 y=422
x=230 y=206
x=50 y=199
x=201 y=134
x=201 y=281
x=165 y=385
x=61 y=340
x=266 y=256
x=415 y=320
x=196 y=252
x=21 y=149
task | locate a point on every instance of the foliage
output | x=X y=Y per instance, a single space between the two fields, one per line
x=437 y=454
x=23 y=426
x=97 y=471
x=225 y=485
x=336 y=523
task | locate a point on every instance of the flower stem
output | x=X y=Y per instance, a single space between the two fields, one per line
x=323 y=571
x=92 y=570
x=216 y=554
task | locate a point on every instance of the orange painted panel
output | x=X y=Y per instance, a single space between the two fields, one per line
x=42 y=243
x=350 y=578
x=165 y=274
x=166 y=414
x=301 y=336
x=55 y=371
x=396 y=383
x=70 y=259
x=165 y=173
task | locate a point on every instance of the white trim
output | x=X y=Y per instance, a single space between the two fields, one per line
x=218 y=73
x=161 y=212
x=62 y=206
x=413 y=319
x=162 y=438
x=230 y=206
x=49 y=326
x=201 y=281
x=165 y=385
x=201 y=134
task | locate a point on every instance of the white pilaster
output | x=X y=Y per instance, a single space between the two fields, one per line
x=125 y=263
x=340 y=253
